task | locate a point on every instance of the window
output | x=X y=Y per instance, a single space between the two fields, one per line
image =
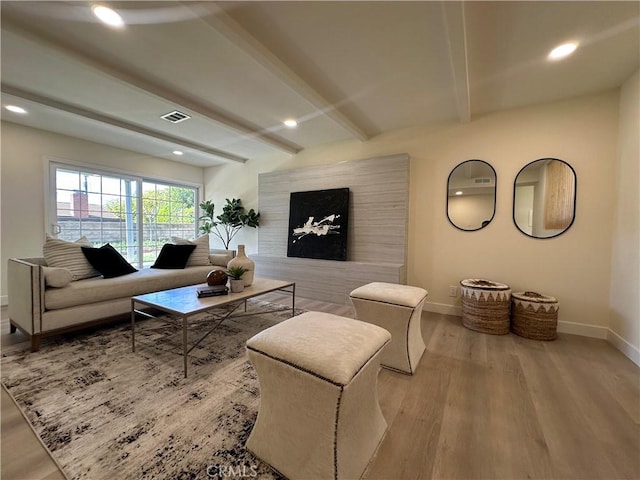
x=105 y=207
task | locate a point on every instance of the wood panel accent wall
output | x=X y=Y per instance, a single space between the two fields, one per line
x=377 y=234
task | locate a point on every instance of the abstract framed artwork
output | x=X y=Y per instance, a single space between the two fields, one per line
x=318 y=223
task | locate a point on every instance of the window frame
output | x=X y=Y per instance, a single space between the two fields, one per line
x=50 y=193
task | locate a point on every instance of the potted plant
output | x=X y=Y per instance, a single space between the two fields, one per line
x=226 y=225
x=236 y=282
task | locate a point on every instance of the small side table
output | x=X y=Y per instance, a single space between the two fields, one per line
x=534 y=315
x=486 y=306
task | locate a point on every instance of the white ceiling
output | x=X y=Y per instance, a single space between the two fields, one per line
x=344 y=70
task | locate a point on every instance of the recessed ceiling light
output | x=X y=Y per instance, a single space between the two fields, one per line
x=562 y=51
x=15 y=109
x=291 y=123
x=178 y=152
x=107 y=16
x=459 y=192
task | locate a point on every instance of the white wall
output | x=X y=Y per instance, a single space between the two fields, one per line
x=236 y=181
x=23 y=170
x=575 y=267
x=625 y=265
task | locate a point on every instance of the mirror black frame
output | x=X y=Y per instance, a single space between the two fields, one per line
x=575 y=198
x=495 y=195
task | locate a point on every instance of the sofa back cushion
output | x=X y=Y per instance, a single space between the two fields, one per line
x=63 y=254
x=200 y=256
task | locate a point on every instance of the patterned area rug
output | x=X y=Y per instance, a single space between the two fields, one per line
x=105 y=412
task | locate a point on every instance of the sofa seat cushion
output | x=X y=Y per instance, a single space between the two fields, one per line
x=146 y=280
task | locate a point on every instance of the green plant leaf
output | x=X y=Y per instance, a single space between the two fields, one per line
x=236 y=272
x=226 y=225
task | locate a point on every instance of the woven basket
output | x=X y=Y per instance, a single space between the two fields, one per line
x=534 y=316
x=486 y=306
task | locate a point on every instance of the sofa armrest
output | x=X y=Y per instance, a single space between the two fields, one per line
x=25 y=288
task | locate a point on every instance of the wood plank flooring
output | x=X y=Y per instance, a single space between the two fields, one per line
x=23 y=456
x=478 y=407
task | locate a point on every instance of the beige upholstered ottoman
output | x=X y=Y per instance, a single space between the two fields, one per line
x=398 y=309
x=319 y=414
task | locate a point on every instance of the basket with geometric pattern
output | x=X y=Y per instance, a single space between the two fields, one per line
x=534 y=315
x=486 y=306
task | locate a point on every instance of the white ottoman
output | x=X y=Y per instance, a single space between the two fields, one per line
x=398 y=309
x=319 y=414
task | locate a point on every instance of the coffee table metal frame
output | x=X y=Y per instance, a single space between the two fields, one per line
x=184 y=302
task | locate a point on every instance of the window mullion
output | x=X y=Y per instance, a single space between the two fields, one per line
x=140 y=225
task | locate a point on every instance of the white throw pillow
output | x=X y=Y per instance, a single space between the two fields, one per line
x=63 y=254
x=57 y=277
x=200 y=256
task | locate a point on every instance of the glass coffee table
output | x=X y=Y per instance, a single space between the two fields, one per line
x=184 y=302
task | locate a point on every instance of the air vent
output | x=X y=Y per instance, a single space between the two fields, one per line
x=175 y=117
x=482 y=181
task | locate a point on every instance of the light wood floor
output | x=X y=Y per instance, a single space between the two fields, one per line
x=478 y=407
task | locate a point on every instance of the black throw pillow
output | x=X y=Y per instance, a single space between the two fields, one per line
x=108 y=261
x=173 y=256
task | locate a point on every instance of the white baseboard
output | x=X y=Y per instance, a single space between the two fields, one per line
x=583 y=329
x=442 y=308
x=629 y=351
x=4 y=300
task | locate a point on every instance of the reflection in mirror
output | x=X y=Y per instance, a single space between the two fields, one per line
x=471 y=195
x=544 y=198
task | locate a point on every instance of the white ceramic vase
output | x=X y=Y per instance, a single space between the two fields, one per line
x=241 y=260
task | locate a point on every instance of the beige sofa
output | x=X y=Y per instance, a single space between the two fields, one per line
x=38 y=310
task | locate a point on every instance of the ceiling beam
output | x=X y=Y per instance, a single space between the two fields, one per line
x=454 y=23
x=150 y=87
x=233 y=31
x=92 y=115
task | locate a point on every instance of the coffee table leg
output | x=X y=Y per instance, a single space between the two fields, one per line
x=133 y=326
x=184 y=344
x=293 y=300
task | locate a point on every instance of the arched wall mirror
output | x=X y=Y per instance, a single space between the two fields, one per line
x=471 y=195
x=544 y=198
